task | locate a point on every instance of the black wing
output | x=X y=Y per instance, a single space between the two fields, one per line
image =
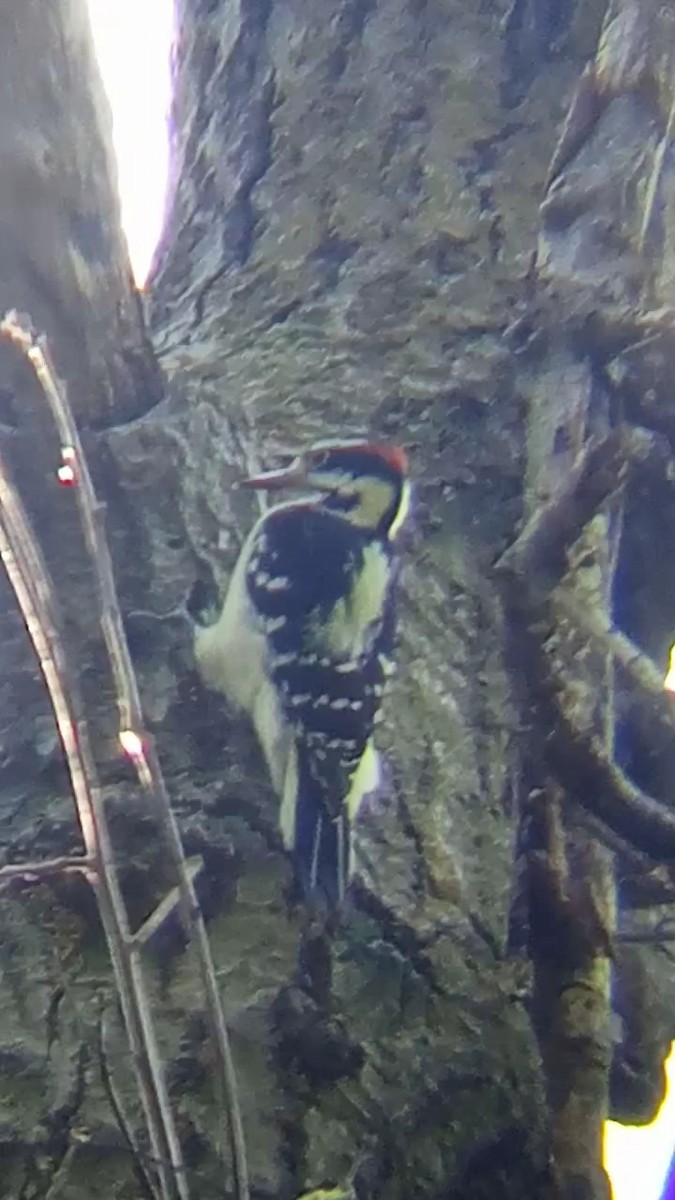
x=301 y=565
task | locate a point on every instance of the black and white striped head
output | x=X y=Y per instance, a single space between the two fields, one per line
x=366 y=482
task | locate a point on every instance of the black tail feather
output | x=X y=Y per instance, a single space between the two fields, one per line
x=321 y=842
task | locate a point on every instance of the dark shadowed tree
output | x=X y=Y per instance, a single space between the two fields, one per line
x=449 y=224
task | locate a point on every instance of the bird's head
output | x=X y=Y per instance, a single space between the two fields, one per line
x=366 y=482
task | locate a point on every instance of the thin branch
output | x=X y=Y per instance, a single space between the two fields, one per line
x=165 y=907
x=599 y=471
x=529 y=569
x=567 y=925
x=135 y=739
x=649 y=883
x=28 y=576
x=577 y=759
x=655 y=178
x=640 y=669
x=570 y=883
x=143 y=1179
x=582 y=116
x=52 y=866
x=601 y=787
x=663 y=931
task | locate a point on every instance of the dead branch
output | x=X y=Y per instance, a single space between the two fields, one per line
x=602 y=788
x=570 y=943
x=134 y=738
x=53 y=866
x=145 y=1184
x=577 y=759
x=567 y=927
x=639 y=667
x=599 y=471
x=165 y=907
x=662 y=931
x=529 y=569
x=583 y=114
x=30 y=581
x=643 y=883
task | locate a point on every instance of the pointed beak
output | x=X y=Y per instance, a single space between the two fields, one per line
x=293 y=476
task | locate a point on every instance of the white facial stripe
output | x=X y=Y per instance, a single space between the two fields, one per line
x=372 y=496
x=403 y=510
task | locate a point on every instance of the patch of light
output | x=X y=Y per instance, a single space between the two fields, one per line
x=133 y=44
x=637 y=1158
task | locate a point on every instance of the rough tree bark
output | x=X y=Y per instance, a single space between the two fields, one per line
x=354 y=214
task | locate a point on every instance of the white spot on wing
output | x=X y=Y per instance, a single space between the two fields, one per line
x=285 y=660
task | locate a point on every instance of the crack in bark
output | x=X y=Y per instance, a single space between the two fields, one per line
x=49 y=1161
x=241 y=220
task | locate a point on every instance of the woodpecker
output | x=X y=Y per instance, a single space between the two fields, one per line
x=305 y=640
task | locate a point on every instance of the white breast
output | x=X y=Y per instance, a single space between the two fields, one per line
x=231 y=654
x=231 y=657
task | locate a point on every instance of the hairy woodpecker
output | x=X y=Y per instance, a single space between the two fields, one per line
x=305 y=640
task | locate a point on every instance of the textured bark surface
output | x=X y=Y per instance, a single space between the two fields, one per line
x=62 y=257
x=62 y=260
x=349 y=248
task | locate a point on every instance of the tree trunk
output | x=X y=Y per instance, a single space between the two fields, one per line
x=355 y=245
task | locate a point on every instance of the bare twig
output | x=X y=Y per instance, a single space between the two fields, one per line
x=165 y=907
x=52 y=866
x=144 y=1182
x=30 y=581
x=134 y=738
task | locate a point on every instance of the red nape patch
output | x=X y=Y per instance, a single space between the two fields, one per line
x=394 y=455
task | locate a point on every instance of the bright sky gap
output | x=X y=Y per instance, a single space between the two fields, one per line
x=133 y=42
